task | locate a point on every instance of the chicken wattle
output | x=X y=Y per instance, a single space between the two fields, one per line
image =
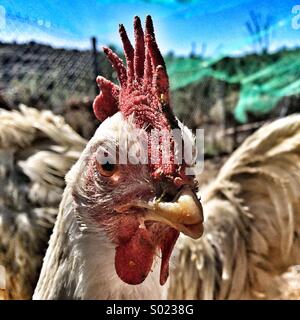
x=134 y=258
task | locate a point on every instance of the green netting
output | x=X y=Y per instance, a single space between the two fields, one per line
x=264 y=80
x=183 y=72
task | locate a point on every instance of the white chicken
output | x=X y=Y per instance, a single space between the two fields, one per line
x=36 y=150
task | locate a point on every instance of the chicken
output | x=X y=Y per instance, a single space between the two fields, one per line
x=36 y=150
x=116 y=216
x=252 y=221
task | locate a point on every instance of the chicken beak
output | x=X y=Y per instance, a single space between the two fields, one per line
x=184 y=213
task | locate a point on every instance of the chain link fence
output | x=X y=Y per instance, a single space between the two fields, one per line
x=60 y=78
x=44 y=77
x=205 y=92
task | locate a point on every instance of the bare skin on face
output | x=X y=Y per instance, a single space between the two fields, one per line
x=141 y=222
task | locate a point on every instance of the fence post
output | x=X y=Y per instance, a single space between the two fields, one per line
x=95 y=63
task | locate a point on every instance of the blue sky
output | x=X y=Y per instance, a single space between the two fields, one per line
x=219 y=25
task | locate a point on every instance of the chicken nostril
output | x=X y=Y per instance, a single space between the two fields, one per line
x=165 y=192
x=168 y=189
x=168 y=196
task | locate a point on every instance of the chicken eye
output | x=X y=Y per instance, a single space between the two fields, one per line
x=107 y=169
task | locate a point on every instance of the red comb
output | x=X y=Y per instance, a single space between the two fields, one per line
x=144 y=86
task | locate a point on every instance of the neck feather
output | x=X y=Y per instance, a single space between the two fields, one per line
x=80 y=265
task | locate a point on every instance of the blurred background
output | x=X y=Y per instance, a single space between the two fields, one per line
x=233 y=65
